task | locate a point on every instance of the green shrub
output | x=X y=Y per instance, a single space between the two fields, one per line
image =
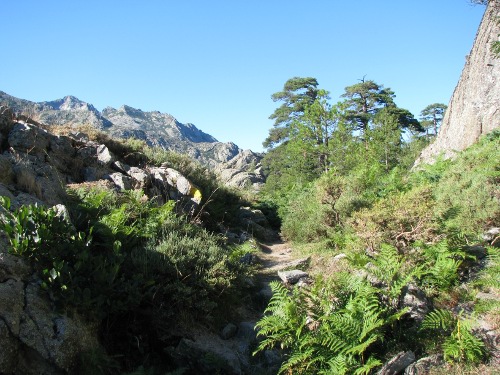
x=76 y=272
x=400 y=219
x=468 y=193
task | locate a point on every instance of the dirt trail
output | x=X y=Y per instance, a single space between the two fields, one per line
x=273 y=257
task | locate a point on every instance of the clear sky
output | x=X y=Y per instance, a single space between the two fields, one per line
x=216 y=63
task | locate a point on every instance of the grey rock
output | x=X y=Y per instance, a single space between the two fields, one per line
x=301 y=263
x=474 y=107
x=6 y=172
x=5 y=192
x=104 y=156
x=491 y=234
x=11 y=304
x=28 y=138
x=416 y=301
x=79 y=136
x=90 y=174
x=177 y=180
x=120 y=180
x=25 y=199
x=63 y=213
x=197 y=357
x=304 y=282
x=13 y=267
x=479 y=252
x=273 y=358
x=423 y=365
x=33 y=338
x=58 y=339
x=254 y=215
x=292 y=277
x=486 y=296
x=61 y=146
x=10 y=350
x=87 y=154
x=397 y=364
x=247 y=332
x=40 y=179
x=136 y=173
x=228 y=331
x=265 y=293
x=339 y=257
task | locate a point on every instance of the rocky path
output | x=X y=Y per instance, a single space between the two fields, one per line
x=272 y=258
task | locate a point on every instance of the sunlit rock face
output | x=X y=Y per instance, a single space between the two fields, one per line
x=234 y=166
x=474 y=108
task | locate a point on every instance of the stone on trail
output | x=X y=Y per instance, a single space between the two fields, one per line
x=292 y=277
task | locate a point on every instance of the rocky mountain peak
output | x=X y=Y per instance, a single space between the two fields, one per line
x=155 y=128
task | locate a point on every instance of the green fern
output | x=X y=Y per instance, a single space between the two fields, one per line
x=344 y=331
x=391 y=268
x=367 y=368
x=488 y=277
x=462 y=345
x=441 y=266
x=459 y=344
x=439 y=320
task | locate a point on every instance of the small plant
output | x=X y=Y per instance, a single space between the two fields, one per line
x=440 y=266
x=459 y=343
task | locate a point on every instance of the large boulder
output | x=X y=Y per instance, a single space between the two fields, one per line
x=28 y=139
x=34 y=339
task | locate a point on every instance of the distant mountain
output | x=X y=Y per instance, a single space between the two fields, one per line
x=235 y=166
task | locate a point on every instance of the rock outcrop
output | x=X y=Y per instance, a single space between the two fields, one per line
x=236 y=167
x=37 y=166
x=474 y=108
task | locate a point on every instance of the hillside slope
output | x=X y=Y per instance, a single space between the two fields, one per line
x=155 y=128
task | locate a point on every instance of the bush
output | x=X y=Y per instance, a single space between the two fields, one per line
x=400 y=219
x=468 y=192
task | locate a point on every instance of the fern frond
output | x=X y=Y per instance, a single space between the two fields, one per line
x=297 y=361
x=366 y=369
x=439 y=319
x=338 y=365
x=335 y=343
x=463 y=346
x=361 y=348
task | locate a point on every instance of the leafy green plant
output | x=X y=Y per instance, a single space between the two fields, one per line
x=393 y=271
x=333 y=328
x=72 y=269
x=467 y=194
x=459 y=343
x=440 y=265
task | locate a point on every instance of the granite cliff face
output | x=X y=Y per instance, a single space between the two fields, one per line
x=155 y=128
x=474 y=108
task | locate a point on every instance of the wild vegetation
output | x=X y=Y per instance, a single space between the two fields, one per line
x=138 y=269
x=341 y=179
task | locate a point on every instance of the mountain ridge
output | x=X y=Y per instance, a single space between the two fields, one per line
x=154 y=127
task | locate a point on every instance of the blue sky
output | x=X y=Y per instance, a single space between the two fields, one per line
x=216 y=63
